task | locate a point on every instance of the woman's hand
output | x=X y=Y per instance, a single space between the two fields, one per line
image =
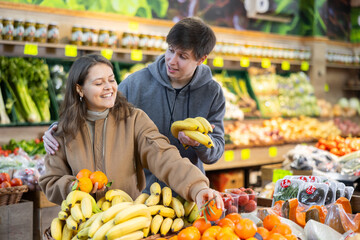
x=94 y=189
x=50 y=143
x=185 y=140
x=207 y=194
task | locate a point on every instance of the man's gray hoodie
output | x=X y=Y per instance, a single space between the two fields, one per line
x=150 y=90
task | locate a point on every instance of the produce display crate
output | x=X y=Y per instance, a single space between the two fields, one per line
x=42 y=221
x=12 y=195
x=39 y=199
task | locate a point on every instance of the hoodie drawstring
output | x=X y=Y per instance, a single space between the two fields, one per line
x=188 y=103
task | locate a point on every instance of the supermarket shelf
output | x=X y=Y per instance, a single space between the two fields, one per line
x=345 y=66
x=21 y=133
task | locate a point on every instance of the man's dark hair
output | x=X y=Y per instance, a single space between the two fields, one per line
x=192 y=34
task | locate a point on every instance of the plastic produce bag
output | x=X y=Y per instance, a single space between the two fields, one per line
x=286 y=189
x=30 y=177
x=313 y=193
x=315 y=230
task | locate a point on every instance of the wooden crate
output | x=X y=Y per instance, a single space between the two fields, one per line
x=43 y=218
x=39 y=199
x=16 y=221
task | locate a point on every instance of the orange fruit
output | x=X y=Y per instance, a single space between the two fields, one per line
x=84 y=184
x=227 y=235
x=207 y=238
x=211 y=212
x=276 y=236
x=100 y=178
x=263 y=232
x=226 y=222
x=290 y=237
x=235 y=217
x=211 y=231
x=189 y=233
x=201 y=224
x=252 y=238
x=270 y=221
x=174 y=238
x=245 y=228
x=281 y=228
x=83 y=173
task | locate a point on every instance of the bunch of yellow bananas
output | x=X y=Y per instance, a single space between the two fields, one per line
x=195 y=128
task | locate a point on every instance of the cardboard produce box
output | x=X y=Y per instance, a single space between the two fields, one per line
x=16 y=221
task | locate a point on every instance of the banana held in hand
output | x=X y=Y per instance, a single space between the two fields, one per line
x=207 y=126
x=197 y=123
x=178 y=126
x=200 y=137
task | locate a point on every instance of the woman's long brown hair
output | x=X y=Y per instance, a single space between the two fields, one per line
x=73 y=111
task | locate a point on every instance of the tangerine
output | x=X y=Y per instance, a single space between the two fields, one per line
x=245 y=228
x=226 y=222
x=290 y=237
x=276 y=236
x=227 y=235
x=270 y=221
x=189 y=233
x=100 y=178
x=83 y=173
x=201 y=224
x=235 y=217
x=84 y=184
x=174 y=238
x=281 y=228
x=263 y=232
x=207 y=238
x=211 y=212
x=211 y=231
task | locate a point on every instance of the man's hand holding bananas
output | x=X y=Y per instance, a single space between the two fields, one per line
x=193 y=132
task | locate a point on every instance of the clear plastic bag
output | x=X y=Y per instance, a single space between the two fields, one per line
x=286 y=189
x=313 y=193
x=30 y=177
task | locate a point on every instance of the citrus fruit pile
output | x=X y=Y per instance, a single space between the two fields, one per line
x=86 y=179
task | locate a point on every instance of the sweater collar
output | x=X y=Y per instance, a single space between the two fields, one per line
x=93 y=116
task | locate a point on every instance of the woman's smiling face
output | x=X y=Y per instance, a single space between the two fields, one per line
x=99 y=89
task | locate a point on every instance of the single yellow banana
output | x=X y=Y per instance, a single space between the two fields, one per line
x=166 y=193
x=167 y=212
x=64 y=206
x=131 y=212
x=194 y=214
x=141 y=198
x=207 y=126
x=95 y=225
x=177 y=225
x=156 y=224
x=178 y=126
x=83 y=233
x=197 y=123
x=101 y=232
x=178 y=207
x=105 y=206
x=71 y=223
x=132 y=236
x=165 y=226
x=146 y=230
x=117 y=192
x=76 y=213
x=152 y=200
x=117 y=199
x=129 y=226
x=200 y=137
x=86 y=207
x=112 y=211
x=188 y=206
x=66 y=233
x=76 y=196
x=155 y=189
x=62 y=215
x=56 y=228
x=100 y=202
x=154 y=209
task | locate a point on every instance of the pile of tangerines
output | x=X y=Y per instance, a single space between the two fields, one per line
x=234 y=227
x=86 y=179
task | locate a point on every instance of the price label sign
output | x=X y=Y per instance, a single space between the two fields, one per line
x=71 y=50
x=107 y=53
x=134 y=26
x=31 y=49
x=304 y=66
x=326 y=87
x=280 y=173
x=136 y=55
x=285 y=65
x=244 y=62
x=265 y=63
x=273 y=151
x=245 y=154
x=229 y=156
x=205 y=62
x=218 y=62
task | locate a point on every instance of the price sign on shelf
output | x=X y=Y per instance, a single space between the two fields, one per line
x=273 y=151
x=285 y=65
x=136 y=55
x=304 y=66
x=280 y=173
x=245 y=154
x=244 y=62
x=229 y=156
x=107 y=53
x=218 y=62
x=265 y=63
x=326 y=87
x=31 y=49
x=70 y=50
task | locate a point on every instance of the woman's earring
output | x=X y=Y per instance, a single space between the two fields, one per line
x=80 y=98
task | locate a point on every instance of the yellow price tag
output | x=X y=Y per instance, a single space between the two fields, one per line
x=134 y=26
x=71 y=50
x=244 y=62
x=245 y=154
x=280 y=173
x=205 y=62
x=326 y=87
x=229 y=155
x=31 y=49
x=265 y=63
x=304 y=66
x=273 y=151
x=218 y=62
x=136 y=55
x=107 y=53
x=285 y=65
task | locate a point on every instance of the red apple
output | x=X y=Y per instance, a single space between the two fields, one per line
x=243 y=199
x=5 y=184
x=16 y=182
x=251 y=193
x=4 y=177
x=250 y=206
